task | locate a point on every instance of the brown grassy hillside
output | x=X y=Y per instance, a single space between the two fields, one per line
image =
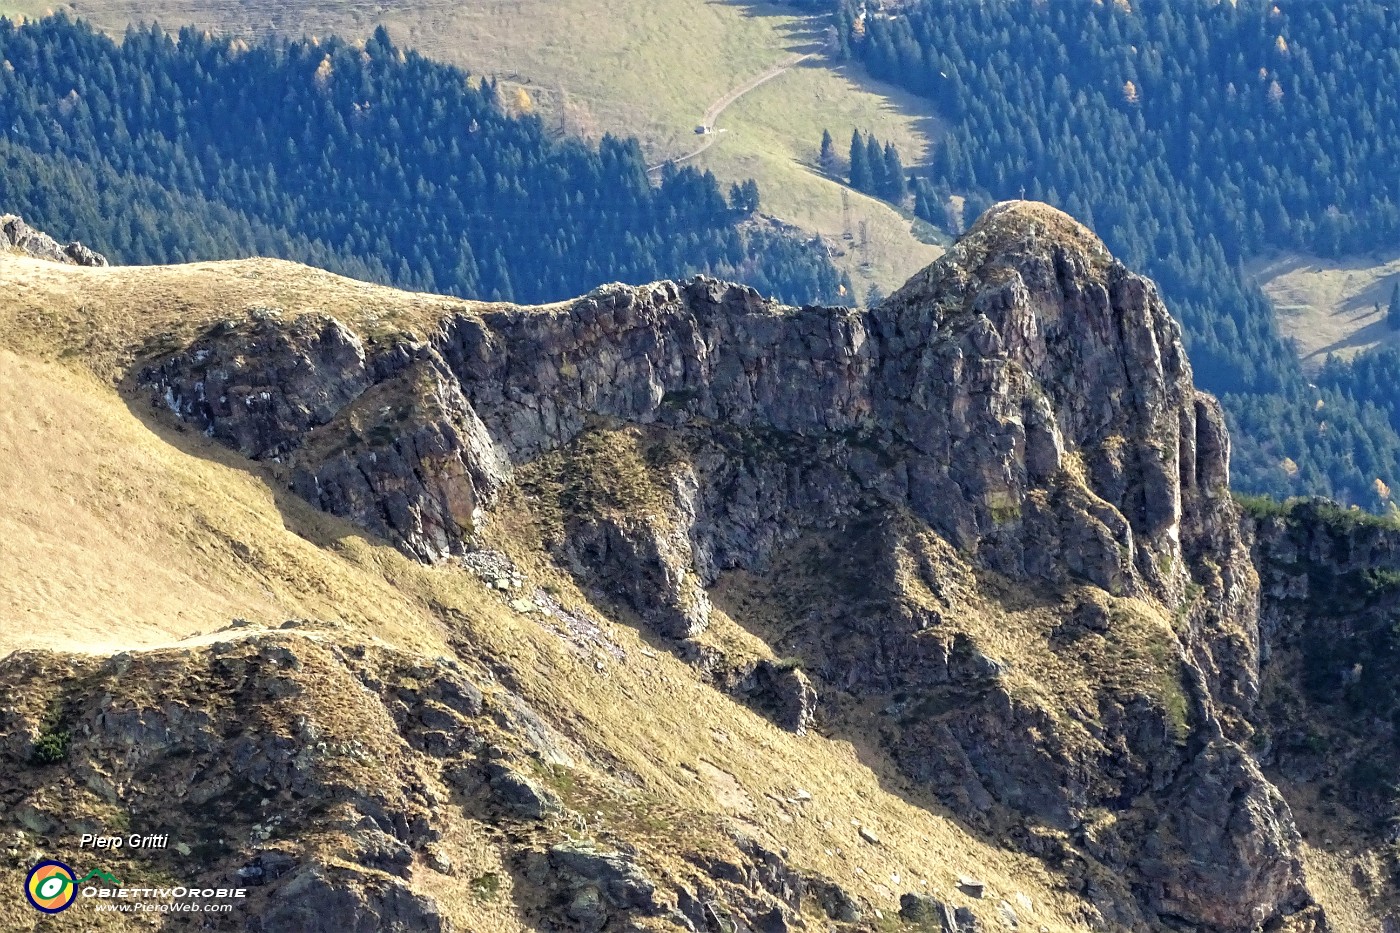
x=122 y=532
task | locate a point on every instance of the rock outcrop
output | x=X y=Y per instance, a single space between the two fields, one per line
x=1327 y=724
x=1030 y=395
x=329 y=776
x=22 y=238
x=1021 y=411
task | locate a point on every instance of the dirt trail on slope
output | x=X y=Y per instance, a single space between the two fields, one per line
x=712 y=113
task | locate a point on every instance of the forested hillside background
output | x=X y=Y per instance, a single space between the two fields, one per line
x=1190 y=134
x=370 y=161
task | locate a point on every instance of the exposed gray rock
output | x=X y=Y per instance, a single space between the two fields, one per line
x=649 y=567
x=420 y=467
x=599 y=881
x=83 y=256
x=928 y=911
x=980 y=377
x=440 y=861
x=261 y=384
x=835 y=902
x=1233 y=833
x=322 y=899
x=587 y=909
x=521 y=795
x=1026 y=398
x=972 y=887
x=265 y=868
x=225 y=752
x=769 y=872
x=375 y=849
x=18 y=235
x=783 y=692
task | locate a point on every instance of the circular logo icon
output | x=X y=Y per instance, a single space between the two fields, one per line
x=51 y=887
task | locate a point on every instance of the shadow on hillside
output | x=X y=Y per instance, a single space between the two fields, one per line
x=851 y=571
x=927 y=123
x=809 y=34
x=1375 y=334
x=836 y=611
x=1366 y=301
x=298 y=516
x=805 y=33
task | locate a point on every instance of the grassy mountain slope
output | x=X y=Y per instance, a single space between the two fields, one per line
x=129 y=533
x=126 y=533
x=644 y=69
x=933 y=671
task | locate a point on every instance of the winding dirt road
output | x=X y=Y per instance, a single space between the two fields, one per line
x=713 y=112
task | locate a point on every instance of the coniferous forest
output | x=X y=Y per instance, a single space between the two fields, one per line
x=1191 y=136
x=370 y=161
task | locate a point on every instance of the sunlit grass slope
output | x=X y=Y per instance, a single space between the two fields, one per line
x=119 y=531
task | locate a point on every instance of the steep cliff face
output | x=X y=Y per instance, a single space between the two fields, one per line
x=989 y=516
x=1030 y=394
x=1328 y=719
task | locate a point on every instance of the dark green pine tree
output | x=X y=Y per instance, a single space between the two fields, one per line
x=419 y=177
x=828 y=153
x=896 y=185
x=875 y=158
x=744 y=198
x=1392 y=314
x=860 y=177
x=752 y=201
x=467 y=281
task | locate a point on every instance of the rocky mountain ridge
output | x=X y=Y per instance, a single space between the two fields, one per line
x=512 y=384
x=983 y=527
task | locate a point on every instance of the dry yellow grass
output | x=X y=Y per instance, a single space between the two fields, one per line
x=1329 y=306
x=118 y=533
x=111 y=316
x=1348 y=879
x=121 y=532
